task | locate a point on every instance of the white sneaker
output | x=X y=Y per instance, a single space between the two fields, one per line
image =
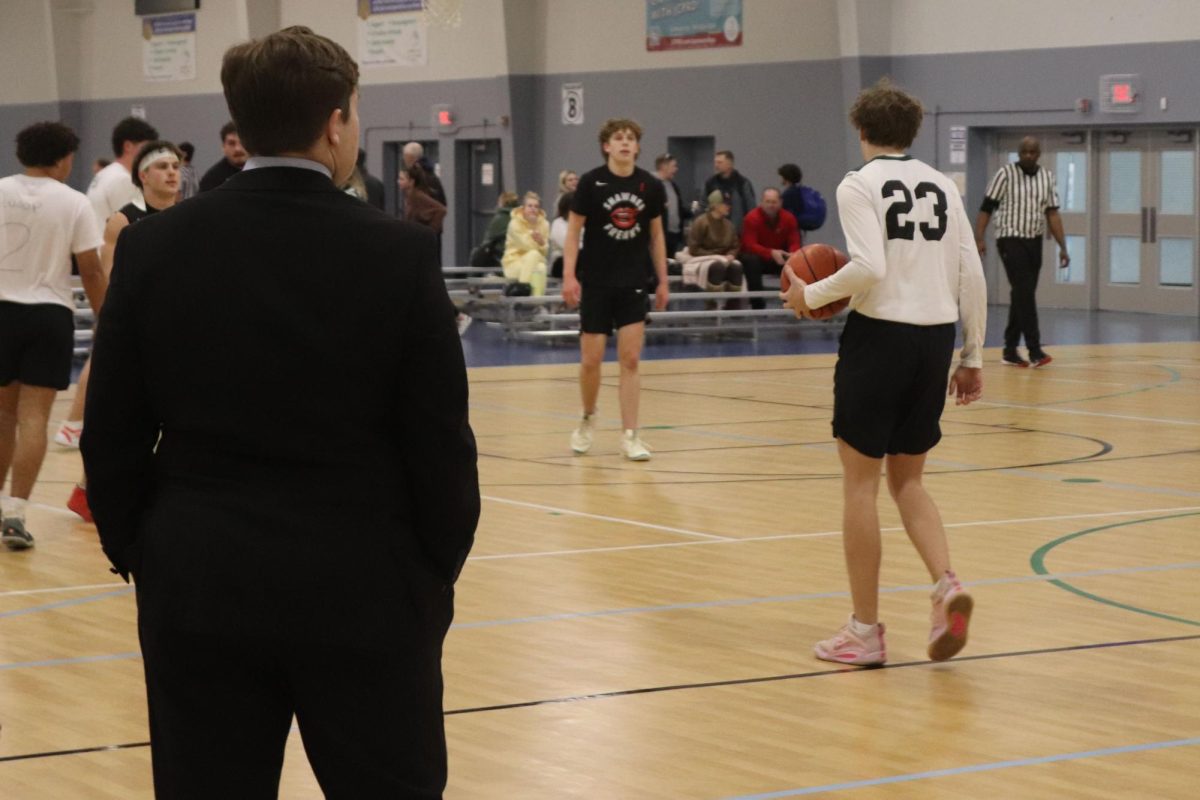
x=68 y=435
x=633 y=447
x=581 y=438
x=464 y=322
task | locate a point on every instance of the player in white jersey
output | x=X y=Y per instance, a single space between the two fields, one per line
x=43 y=222
x=913 y=271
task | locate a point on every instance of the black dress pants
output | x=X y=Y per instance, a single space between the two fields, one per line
x=221 y=708
x=1022 y=260
x=754 y=268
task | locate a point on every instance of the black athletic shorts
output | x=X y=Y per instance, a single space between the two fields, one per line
x=36 y=344
x=603 y=308
x=889 y=385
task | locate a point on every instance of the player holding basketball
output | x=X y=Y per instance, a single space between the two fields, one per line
x=913 y=270
x=619 y=207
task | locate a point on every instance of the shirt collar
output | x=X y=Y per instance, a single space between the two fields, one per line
x=259 y=162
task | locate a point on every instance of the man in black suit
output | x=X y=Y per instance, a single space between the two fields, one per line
x=278 y=451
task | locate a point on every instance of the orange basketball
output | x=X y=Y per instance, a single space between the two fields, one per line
x=811 y=263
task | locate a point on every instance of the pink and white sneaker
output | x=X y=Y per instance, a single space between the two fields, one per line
x=68 y=435
x=846 y=647
x=948 y=620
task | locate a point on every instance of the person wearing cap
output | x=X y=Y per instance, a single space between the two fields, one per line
x=712 y=234
x=156 y=175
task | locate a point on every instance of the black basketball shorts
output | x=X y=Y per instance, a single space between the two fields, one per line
x=603 y=308
x=36 y=344
x=889 y=385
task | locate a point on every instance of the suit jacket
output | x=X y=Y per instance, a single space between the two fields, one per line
x=277 y=440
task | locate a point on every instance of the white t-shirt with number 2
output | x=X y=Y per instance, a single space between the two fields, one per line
x=42 y=222
x=913 y=256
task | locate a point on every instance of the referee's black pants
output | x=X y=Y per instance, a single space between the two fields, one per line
x=1022 y=258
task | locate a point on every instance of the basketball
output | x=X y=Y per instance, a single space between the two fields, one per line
x=811 y=263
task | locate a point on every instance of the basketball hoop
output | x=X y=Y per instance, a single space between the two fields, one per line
x=442 y=13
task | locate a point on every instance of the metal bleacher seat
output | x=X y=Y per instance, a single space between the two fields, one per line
x=689 y=313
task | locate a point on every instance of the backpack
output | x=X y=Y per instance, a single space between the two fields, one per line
x=814 y=209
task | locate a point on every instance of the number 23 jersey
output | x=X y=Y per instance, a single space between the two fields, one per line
x=912 y=251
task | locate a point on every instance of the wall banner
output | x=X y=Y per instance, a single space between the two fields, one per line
x=169 y=47
x=693 y=24
x=391 y=33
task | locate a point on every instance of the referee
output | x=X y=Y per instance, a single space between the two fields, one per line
x=1024 y=199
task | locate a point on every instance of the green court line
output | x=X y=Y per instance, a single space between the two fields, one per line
x=1038 y=562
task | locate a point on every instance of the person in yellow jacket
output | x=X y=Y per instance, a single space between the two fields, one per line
x=528 y=240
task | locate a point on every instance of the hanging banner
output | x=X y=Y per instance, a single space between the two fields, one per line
x=693 y=24
x=169 y=47
x=390 y=34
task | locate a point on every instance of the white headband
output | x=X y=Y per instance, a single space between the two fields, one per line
x=155 y=155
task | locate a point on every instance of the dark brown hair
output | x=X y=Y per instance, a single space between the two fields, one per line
x=887 y=116
x=145 y=150
x=611 y=126
x=282 y=88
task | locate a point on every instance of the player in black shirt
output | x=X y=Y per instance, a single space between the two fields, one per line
x=619 y=208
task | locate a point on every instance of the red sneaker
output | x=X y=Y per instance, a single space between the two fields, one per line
x=1039 y=361
x=79 y=504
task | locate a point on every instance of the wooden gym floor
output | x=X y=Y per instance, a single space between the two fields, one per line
x=645 y=630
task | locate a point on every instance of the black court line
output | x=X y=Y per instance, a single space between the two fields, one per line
x=75 y=752
x=847 y=670
x=1104 y=448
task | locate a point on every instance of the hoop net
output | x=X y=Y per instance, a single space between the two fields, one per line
x=442 y=13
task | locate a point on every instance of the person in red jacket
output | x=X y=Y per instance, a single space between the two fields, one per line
x=769 y=235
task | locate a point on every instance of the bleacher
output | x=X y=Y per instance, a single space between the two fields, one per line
x=479 y=291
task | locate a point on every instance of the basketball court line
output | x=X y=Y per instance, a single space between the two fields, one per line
x=846 y=671
x=821 y=673
x=971 y=768
x=572 y=513
x=1082 y=413
x=818 y=534
x=1052 y=578
x=795 y=598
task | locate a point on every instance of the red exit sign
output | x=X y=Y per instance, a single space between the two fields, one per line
x=1123 y=94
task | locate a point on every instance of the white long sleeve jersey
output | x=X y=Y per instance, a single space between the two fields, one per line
x=912 y=251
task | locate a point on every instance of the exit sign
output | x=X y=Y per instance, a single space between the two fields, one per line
x=1121 y=94
x=445 y=120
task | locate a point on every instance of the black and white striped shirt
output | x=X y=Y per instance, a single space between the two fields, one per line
x=1021 y=201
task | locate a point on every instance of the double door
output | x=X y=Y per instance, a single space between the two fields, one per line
x=1147 y=221
x=1128 y=202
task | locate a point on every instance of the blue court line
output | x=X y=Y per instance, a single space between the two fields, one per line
x=64 y=603
x=61 y=662
x=791 y=598
x=973 y=768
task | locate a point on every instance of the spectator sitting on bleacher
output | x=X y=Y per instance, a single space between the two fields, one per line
x=769 y=236
x=558 y=234
x=489 y=251
x=712 y=248
x=526 y=246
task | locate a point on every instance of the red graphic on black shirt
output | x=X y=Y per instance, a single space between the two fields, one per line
x=624 y=217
